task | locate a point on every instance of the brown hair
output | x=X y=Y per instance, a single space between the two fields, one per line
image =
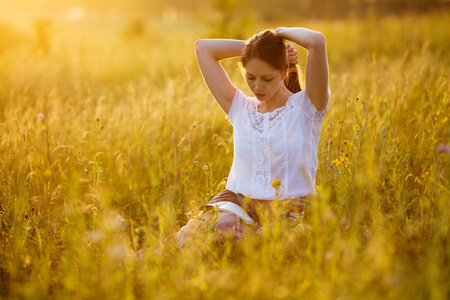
x=271 y=48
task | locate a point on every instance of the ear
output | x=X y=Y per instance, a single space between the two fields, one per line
x=284 y=74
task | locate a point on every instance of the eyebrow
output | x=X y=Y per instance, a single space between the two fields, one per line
x=267 y=75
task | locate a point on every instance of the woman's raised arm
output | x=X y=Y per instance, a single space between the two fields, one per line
x=317 y=65
x=209 y=52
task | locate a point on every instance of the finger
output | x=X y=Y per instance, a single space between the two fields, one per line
x=289 y=48
x=293 y=59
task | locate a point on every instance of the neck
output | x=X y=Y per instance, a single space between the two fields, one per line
x=277 y=101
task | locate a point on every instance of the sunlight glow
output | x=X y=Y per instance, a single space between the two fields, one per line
x=170 y=15
x=75 y=14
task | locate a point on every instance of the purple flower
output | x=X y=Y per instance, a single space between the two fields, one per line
x=40 y=116
x=118 y=220
x=444 y=148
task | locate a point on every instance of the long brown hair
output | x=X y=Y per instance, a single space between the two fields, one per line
x=271 y=48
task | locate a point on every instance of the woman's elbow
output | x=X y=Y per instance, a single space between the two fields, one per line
x=200 y=44
x=318 y=39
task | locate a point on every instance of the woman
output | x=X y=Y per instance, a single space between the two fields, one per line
x=276 y=132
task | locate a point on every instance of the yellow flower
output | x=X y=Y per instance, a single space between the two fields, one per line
x=318 y=189
x=276 y=184
x=342 y=161
x=47 y=173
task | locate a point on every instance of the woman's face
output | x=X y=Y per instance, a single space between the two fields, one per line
x=263 y=80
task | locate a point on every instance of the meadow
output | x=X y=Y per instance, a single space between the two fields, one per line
x=109 y=137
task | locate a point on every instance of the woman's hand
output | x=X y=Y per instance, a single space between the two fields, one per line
x=316 y=76
x=292 y=57
x=279 y=31
x=291 y=52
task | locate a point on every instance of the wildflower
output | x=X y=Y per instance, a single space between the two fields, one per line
x=318 y=189
x=341 y=161
x=276 y=184
x=118 y=220
x=94 y=211
x=444 y=148
x=47 y=173
x=425 y=175
x=40 y=116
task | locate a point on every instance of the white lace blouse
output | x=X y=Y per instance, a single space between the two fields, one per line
x=281 y=144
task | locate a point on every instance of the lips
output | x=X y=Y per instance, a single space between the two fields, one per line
x=259 y=95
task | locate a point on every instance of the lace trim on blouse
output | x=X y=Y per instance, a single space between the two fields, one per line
x=262 y=124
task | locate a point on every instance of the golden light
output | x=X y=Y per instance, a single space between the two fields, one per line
x=75 y=14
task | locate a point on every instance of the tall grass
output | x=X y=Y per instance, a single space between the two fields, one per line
x=108 y=140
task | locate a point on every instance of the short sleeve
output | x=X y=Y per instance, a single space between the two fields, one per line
x=310 y=110
x=236 y=106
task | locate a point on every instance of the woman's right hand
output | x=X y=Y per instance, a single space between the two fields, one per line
x=292 y=58
x=292 y=54
x=316 y=75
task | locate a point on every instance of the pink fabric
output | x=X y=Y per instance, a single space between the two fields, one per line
x=229 y=223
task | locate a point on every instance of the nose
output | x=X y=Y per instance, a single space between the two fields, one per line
x=258 y=85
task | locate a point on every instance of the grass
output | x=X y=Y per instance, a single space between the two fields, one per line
x=129 y=140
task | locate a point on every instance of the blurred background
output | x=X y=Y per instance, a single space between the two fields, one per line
x=88 y=25
x=265 y=9
x=105 y=119
x=217 y=12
